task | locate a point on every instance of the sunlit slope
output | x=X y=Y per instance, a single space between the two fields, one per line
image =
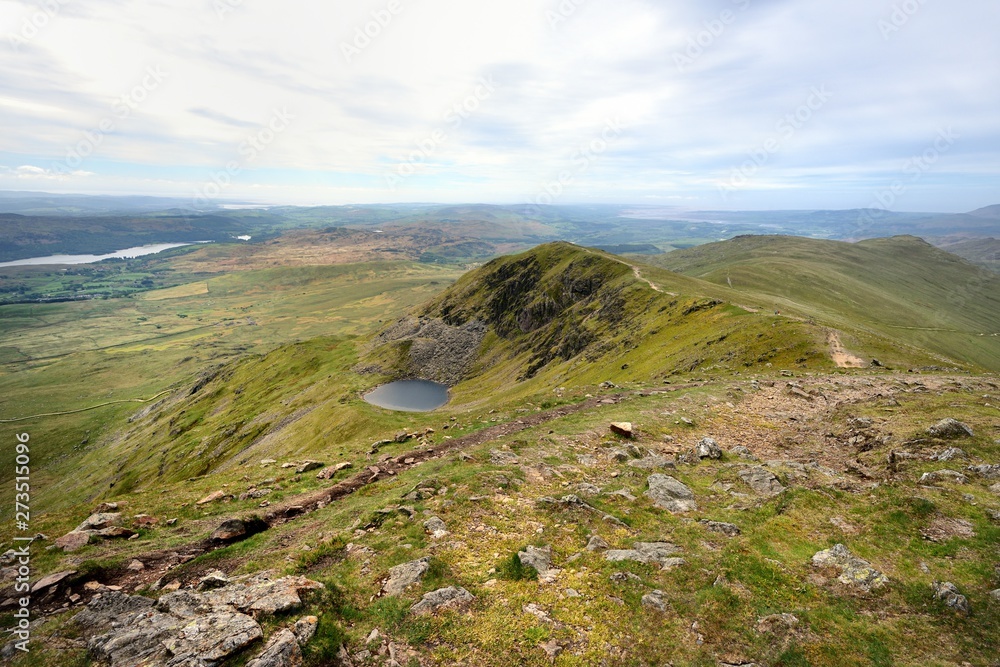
x=900 y=287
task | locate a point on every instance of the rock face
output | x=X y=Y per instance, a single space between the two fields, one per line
x=708 y=449
x=949 y=429
x=948 y=593
x=436 y=350
x=188 y=628
x=669 y=494
x=443 y=598
x=854 y=571
x=403 y=576
x=761 y=480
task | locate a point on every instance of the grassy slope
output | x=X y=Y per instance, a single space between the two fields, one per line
x=75 y=355
x=301 y=400
x=899 y=287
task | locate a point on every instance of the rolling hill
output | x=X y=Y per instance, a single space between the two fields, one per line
x=901 y=288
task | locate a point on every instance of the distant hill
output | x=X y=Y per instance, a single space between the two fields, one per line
x=982 y=252
x=900 y=287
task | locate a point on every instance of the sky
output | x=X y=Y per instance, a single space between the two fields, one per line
x=703 y=104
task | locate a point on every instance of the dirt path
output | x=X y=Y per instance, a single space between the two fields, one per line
x=839 y=353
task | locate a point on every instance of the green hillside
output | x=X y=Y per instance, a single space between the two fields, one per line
x=900 y=287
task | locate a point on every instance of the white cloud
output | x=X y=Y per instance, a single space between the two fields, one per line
x=556 y=87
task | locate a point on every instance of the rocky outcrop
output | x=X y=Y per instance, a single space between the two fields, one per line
x=659 y=553
x=432 y=349
x=948 y=593
x=762 y=481
x=854 y=571
x=708 y=449
x=192 y=628
x=949 y=429
x=539 y=558
x=443 y=598
x=403 y=576
x=669 y=494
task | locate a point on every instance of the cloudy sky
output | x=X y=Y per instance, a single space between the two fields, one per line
x=711 y=104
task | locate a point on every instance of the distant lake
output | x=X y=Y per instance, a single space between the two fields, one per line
x=127 y=253
x=409 y=396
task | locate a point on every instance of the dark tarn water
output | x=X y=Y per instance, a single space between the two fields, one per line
x=409 y=396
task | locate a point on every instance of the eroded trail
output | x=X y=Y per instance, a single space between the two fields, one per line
x=839 y=353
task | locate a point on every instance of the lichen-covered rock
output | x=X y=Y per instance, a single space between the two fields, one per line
x=854 y=571
x=187 y=629
x=708 y=449
x=539 y=558
x=443 y=598
x=403 y=576
x=943 y=476
x=986 y=471
x=761 y=480
x=436 y=527
x=660 y=553
x=669 y=494
x=99 y=521
x=948 y=429
x=655 y=600
x=948 y=593
x=728 y=529
x=597 y=543
x=281 y=650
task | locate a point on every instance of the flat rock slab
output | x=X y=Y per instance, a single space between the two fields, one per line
x=659 y=553
x=52 y=580
x=99 y=521
x=186 y=628
x=652 y=463
x=73 y=541
x=403 y=576
x=443 y=598
x=669 y=494
x=854 y=571
x=761 y=480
